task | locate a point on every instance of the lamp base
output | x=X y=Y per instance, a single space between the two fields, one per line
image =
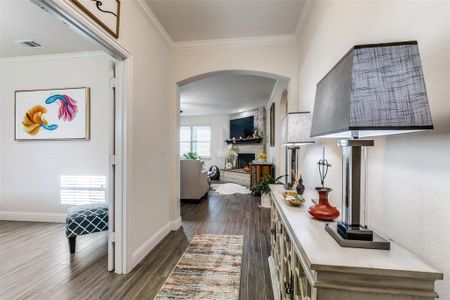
x=354 y=232
x=377 y=241
x=287 y=186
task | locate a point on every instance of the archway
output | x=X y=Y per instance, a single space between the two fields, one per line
x=237 y=72
x=201 y=76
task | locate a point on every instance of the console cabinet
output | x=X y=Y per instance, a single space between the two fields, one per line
x=307 y=264
x=258 y=171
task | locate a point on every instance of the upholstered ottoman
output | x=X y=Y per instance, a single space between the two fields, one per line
x=84 y=219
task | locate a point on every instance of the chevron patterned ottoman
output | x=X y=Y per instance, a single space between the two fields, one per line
x=85 y=219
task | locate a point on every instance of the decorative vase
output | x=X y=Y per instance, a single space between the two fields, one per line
x=300 y=188
x=266 y=200
x=323 y=210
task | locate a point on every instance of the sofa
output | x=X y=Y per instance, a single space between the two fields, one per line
x=194 y=181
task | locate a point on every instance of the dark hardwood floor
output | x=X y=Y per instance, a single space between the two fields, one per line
x=35 y=261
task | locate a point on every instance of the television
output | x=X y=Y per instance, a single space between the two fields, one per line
x=243 y=127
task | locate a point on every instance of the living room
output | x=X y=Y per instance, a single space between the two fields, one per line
x=230 y=121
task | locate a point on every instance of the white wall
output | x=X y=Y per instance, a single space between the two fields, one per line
x=31 y=170
x=409 y=174
x=276 y=153
x=220 y=131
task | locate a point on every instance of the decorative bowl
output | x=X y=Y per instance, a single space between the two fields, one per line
x=293 y=199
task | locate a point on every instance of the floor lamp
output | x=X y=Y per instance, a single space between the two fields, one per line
x=374 y=90
x=296 y=130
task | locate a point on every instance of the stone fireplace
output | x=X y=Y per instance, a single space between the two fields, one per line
x=246 y=152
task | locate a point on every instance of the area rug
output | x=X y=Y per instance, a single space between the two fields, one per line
x=230 y=189
x=209 y=269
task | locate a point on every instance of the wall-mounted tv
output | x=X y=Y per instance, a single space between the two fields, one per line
x=243 y=127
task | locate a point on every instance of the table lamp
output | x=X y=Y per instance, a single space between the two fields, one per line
x=296 y=130
x=373 y=90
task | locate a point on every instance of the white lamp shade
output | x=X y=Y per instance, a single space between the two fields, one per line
x=296 y=129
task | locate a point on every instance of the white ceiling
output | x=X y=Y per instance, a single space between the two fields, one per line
x=23 y=20
x=205 y=20
x=225 y=94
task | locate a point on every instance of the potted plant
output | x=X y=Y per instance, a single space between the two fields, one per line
x=261 y=158
x=263 y=188
x=190 y=155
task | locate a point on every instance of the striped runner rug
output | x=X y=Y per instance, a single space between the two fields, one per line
x=209 y=269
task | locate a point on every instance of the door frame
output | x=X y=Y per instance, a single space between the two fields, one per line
x=70 y=16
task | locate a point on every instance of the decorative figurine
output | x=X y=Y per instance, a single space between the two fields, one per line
x=300 y=187
x=323 y=210
x=298 y=183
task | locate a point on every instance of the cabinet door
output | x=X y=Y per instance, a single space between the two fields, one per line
x=276 y=230
x=287 y=271
x=301 y=286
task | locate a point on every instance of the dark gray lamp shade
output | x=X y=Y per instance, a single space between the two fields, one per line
x=296 y=129
x=373 y=90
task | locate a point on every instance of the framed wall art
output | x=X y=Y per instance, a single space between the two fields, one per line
x=106 y=13
x=54 y=114
x=284 y=104
x=272 y=125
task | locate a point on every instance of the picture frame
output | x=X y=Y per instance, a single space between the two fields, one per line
x=106 y=13
x=284 y=104
x=272 y=125
x=52 y=114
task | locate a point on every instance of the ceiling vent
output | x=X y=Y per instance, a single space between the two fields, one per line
x=29 y=44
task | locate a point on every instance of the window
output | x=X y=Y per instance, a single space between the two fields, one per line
x=196 y=139
x=76 y=190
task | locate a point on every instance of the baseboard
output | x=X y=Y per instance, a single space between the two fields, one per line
x=148 y=245
x=175 y=224
x=141 y=252
x=32 y=216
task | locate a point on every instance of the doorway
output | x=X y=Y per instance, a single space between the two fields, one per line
x=95 y=183
x=119 y=93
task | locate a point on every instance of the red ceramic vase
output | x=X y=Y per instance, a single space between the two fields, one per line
x=323 y=210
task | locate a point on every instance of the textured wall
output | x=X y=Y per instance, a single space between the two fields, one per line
x=409 y=174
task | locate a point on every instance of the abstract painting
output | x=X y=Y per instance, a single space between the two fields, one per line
x=57 y=114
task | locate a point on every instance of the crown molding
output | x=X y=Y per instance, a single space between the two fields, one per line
x=153 y=21
x=53 y=56
x=303 y=19
x=147 y=12
x=236 y=42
